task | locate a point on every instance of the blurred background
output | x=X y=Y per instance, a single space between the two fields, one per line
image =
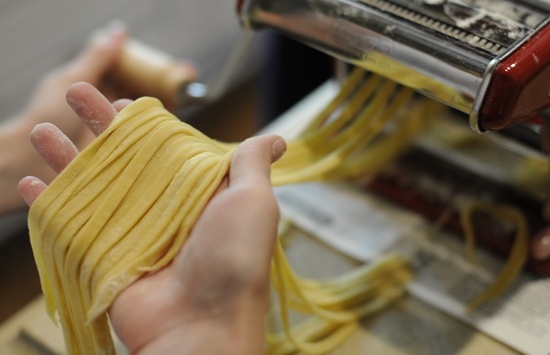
x=36 y=36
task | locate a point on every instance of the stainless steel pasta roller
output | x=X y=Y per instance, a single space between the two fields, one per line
x=487 y=58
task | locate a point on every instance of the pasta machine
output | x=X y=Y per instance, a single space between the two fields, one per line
x=488 y=60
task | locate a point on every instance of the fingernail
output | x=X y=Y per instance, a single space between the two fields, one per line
x=278 y=149
x=116 y=27
x=104 y=35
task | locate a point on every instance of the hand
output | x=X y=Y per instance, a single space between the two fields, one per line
x=17 y=156
x=213 y=297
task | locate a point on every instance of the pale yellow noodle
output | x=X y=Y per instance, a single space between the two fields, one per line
x=518 y=254
x=126 y=204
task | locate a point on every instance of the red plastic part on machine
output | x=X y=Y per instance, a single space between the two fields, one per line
x=520 y=87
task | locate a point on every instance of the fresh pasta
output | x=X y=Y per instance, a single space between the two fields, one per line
x=125 y=206
x=518 y=254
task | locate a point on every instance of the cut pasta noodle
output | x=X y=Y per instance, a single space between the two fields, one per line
x=518 y=254
x=125 y=206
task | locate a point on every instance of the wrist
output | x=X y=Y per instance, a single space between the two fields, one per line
x=206 y=337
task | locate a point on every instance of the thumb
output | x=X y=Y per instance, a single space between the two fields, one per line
x=253 y=158
x=102 y=51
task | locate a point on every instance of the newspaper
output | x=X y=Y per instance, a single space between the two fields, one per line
x=364 y=227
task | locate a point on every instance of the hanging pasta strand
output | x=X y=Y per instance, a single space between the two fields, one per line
x=336 y=304
x=517 y=257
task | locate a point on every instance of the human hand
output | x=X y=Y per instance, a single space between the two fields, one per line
x=47 y=104
x=213 y=297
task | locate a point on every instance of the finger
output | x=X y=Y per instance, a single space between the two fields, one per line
x=53 y=146
x=253 y=159
x=91 y=106
x=30 y=188
x=119 y=105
